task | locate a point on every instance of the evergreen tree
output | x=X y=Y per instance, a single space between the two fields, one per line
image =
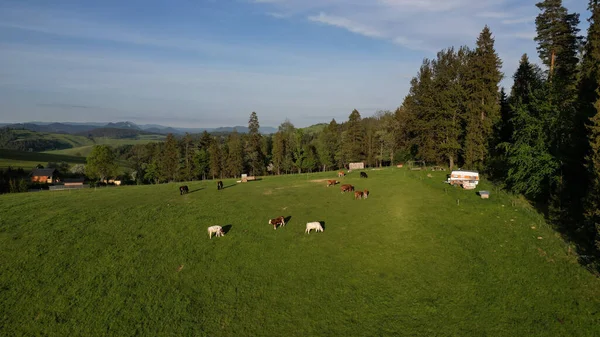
x=592 y=214
x=188 y=150
x=530 y=162
x=590 y=107
x=558 y=48
x=482 y=109
x=352 y=146
x=421 y=106
x=448 y=85
x=202 y=163
x=254 y=147
x=215 y=154
x=235 y=156
x=278 y=156
x=169 y=163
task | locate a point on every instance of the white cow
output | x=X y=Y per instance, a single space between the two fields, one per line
x=313 y=225
x=218 y=230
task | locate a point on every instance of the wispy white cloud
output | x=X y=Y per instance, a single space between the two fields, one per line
x=277 y=15
x=341 y=22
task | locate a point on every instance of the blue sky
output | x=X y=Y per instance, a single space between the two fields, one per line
x=194 y=63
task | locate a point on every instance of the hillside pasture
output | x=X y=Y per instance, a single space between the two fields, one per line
x=29 y=160
x=409 y=260
x=85 y=150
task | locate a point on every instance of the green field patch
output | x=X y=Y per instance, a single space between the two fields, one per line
x=409 y=260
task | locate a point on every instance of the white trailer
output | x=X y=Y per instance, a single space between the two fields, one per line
x=466 y=179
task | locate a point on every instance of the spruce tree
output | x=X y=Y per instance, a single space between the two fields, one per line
x=529 y=159
x=420 y=105
x=254 y=146
x=353 y=147
x=188 y=150
x=482 y=108
x=278 y=156
x=170 y=159
x=215 y=154
x=592 y=214
x=235 y=155
x=448 y=101
x=590 y=107
x=558 y=47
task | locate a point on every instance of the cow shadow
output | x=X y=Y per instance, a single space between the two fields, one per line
x=322 y=224
x=287 y=219
x=226 y=228
x=196 y=190
x=228 y=186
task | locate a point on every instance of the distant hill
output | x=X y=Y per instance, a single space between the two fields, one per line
x=314 y=128
x=79 y=128
x=112 y=132
x=123 y=125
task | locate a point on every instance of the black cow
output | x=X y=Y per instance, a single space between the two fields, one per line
x=183 y=189
x=363 y=175
x=219 y=185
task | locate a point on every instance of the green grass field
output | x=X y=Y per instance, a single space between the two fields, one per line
x=408 y=261
x=86 y=149
x=29 y=160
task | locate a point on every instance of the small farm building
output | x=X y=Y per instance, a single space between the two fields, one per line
x=47 y=175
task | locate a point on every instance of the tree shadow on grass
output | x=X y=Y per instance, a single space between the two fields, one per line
x=226 y=228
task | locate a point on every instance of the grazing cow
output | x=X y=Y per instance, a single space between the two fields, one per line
x=363 y=175
x=365 y=193
x=331 y=182
x=219 y=185
x=183 y=189
x=358 y=195
x=277 y=221
x=341 y=174
x=218 y=230
x=313 y=225
x=347 y=188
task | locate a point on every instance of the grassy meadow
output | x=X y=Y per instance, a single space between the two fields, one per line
x=29 y=160
x=407 y=261
x=86 y=149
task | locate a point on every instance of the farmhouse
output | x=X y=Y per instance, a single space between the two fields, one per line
x=47 y=175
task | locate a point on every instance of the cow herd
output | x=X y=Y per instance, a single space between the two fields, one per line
x=280 y=220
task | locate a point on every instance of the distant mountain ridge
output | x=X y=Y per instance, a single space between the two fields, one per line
x=79 y=128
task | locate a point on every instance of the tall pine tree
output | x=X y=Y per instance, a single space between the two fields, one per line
x=254 y=147
x=353 y=147
x=169 y=163
x=483 y=108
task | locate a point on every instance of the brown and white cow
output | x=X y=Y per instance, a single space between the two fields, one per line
x=341 y=174
x=347 y=188
x=331 y=182
x=358 y=195
x=365 y=194
x=277 y=221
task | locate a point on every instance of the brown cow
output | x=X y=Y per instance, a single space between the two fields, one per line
x=277 y=221
x=347 y=188
x=341 y=174
x=331 y=182
x=358 y=195
x=365 y=193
